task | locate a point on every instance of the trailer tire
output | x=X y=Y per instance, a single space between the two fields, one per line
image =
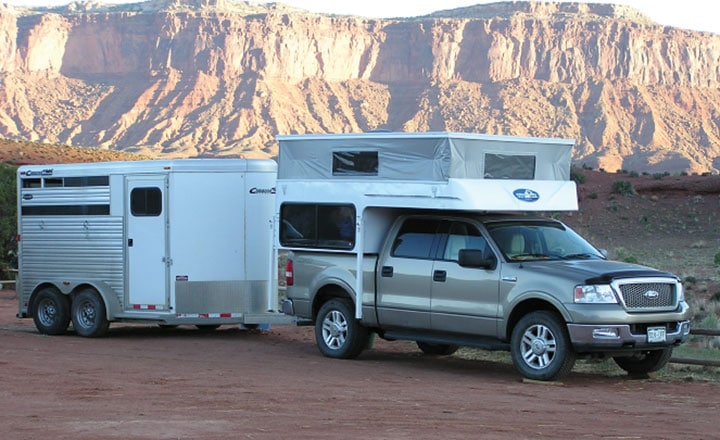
x=207 y=327
x=88 y=314
x=51 y=311
x=337 y=333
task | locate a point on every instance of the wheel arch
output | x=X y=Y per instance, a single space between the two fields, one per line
x=43 y=286
x=531 y=305
x=107 y=295
x=327 y=292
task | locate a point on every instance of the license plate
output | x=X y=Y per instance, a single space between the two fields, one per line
x=656 y=334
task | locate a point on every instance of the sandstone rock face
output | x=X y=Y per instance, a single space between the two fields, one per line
x=222 y=78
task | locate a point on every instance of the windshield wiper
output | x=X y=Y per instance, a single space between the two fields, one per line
x=580 y=256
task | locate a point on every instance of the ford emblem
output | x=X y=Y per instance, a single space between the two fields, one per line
x=651 y=294
x=27 y=197
x=526 y=195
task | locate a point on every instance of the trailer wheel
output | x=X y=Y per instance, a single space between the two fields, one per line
x=337 y=333
x=207 y=327
x=540 y=347
x=88 y=314
x=51 y=311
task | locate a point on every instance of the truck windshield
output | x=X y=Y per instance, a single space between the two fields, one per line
x=540 y=240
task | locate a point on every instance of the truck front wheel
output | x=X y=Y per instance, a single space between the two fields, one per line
x=644 y=362
x=540 y=347
x=88 y=314
x=337 y=332
x=51 y=311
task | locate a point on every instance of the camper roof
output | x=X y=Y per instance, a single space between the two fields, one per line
x=433 y=156
x=428 y=170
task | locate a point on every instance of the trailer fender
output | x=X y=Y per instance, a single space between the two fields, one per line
x=108 y=295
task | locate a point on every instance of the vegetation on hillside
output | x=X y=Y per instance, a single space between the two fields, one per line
x=8 y=220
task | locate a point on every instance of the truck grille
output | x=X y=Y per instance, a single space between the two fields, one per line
x=648 y=297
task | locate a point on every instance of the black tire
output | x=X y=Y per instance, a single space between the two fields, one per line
x=337 y=333
x=207 y=327
x=645 y=361
x=88 y=314
x=540 y=347
x=437 y=349
x=51 y=311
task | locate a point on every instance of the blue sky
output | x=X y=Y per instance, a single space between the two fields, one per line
x=689 y=14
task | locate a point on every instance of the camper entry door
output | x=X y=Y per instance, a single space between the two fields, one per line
x=146 y=243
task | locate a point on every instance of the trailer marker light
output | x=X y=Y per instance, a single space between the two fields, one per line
x=289 y=275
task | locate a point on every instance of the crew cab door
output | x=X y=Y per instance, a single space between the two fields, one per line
x=404 y=276
x=464 y=299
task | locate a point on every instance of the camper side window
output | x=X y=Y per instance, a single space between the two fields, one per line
x=355 y=163
x=322 y=226
x=146 y=202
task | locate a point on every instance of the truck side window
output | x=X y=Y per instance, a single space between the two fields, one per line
x=417 y=238
x=462 y=236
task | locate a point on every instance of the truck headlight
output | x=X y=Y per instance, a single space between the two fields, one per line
x=595 y=294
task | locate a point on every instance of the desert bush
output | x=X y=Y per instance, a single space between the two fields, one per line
x=8 y=219
x=593 y=195
x=577 y=176
x=717 y=259
x=623 y=187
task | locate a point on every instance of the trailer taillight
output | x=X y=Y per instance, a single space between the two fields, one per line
x=17 y=238
x=289 y=276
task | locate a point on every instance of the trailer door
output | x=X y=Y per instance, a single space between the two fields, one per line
x=147 y=243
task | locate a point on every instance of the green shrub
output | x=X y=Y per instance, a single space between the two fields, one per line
x=8 y=219
x=717 y=259
x=577 y=176
x=623 y=187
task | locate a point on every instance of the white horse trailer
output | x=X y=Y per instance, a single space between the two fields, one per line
x=171 y=242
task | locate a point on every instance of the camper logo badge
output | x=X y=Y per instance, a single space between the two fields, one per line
x=526 y=195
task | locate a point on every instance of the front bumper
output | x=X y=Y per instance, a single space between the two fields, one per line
x=604 y=337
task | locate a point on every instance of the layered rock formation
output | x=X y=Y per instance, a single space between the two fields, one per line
x=204 y=77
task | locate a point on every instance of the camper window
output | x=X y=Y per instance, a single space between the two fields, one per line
x=509 y=166
x=146 y=202
x=322 y=226
x=355 y=163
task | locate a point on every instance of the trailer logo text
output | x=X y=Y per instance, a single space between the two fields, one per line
x=526 y=195
x=45 y=172
x=256 y=190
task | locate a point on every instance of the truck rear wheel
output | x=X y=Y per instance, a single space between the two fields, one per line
x=337 y=333
x=540 y=347
x=88 y=314
x=644 y=362
x=51 y=311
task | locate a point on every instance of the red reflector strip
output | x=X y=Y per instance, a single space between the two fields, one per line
x=144 y=307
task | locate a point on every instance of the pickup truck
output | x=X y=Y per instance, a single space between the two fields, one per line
x=510 y=282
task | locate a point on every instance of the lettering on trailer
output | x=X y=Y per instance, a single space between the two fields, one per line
x=45 y=172
x=256 y=190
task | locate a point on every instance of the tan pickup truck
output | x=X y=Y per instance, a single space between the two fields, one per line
x=510 y=282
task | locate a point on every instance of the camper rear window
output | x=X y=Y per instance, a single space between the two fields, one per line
x=321 y=226
x=355 y=163
x=509 y=166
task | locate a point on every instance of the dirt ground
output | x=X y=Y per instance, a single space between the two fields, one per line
x=145 y=382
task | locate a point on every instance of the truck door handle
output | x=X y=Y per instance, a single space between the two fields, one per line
x=440 y=276
x=387 y=271
x=130 y=242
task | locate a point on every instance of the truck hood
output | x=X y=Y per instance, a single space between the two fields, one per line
x=593 y=271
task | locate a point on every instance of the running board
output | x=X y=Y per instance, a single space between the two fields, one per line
x=481 y=342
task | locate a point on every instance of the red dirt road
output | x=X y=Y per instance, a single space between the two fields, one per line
x=144 y=382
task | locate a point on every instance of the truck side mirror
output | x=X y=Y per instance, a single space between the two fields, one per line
x=476 y=258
